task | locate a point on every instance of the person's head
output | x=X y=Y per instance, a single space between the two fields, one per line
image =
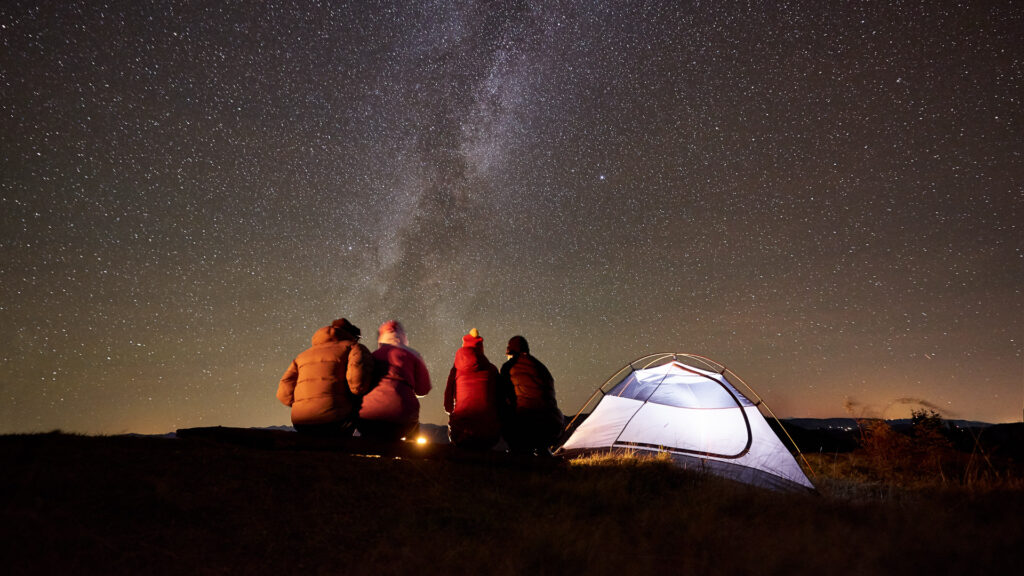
x=470 y=356
x=392 y=332
x=473 y=339
x=342 y=328
x=517 y=345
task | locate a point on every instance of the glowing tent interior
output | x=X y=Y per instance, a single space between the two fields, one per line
x=686 y=405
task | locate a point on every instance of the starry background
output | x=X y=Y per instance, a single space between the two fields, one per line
x=826 y=200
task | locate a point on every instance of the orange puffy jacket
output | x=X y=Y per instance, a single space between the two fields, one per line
x=323 y=383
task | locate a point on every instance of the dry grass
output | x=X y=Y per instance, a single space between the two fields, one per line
x=923 y=460
x=87 y=505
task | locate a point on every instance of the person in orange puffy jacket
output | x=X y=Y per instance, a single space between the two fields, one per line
x=471 y=397
x=323 y=385
x=535 y=422
x=391 y=411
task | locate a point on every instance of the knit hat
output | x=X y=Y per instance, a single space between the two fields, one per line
x=517 y=345
x=472 y=339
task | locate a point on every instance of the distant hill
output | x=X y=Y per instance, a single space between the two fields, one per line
x=851 y=423
x=843 y=435
x=815 y=434
x=823 y=423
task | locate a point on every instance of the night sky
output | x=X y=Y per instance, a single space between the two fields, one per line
x=827 y=200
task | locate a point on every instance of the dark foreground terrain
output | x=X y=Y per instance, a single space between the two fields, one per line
x=261 y=502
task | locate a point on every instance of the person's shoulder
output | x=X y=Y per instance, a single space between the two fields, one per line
x=410 y=351
x=527 y=361
x=399 y=353
x=354 y=346
x=416 y=355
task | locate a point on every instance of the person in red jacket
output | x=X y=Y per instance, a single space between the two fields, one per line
x=323 y=384
x=471 y=397
x=535 y=422
x=391 y=410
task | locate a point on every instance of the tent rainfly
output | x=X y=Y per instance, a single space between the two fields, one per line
x=685 y=405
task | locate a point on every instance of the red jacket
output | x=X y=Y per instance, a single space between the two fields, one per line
x=471 y=396
x=322 y=383
x=404 y=377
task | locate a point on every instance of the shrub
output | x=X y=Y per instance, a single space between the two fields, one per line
x=886 y=450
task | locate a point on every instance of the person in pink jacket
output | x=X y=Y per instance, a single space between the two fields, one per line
x=471 y=397
x=391 y=410
x=323 y=384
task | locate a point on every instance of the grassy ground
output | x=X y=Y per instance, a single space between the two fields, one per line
x=123 y=505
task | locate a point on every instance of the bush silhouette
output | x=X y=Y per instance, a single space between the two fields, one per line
x=921 y=454
x=885 y=449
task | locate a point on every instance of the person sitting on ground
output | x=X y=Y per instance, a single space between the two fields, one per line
x=391 y=411
x=535 y=422
x=471 y=397
x=324 y=383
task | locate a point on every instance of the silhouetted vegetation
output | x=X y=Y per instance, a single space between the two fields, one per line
x=268 y=504
x=926 y=452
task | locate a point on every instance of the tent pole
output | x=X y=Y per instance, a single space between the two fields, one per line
x=600 y=390
x=776 y=418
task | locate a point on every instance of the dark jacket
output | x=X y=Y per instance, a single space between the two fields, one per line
x=533 y=384
x=323 y=383
x=536 y=420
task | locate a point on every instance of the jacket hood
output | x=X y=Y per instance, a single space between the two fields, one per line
x=471 y=358
x=392 y=332
x=325 y=334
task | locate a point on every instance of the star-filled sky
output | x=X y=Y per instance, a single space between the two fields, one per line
x=826 y=198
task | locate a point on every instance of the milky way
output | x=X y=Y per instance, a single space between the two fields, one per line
x=826 y=200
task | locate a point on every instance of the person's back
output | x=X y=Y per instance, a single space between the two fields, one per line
x=390 y=411
x=471 y=397
x=536 y=421
x=534 y=387
x=323 y=383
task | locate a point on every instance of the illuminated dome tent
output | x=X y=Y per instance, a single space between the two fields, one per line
x=685 y=405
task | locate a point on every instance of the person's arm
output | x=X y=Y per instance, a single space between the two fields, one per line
x=506 y=390
x=449 y=392
x=286 y=388
x=546 y=377
x=422 y=384
x=360 y=370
